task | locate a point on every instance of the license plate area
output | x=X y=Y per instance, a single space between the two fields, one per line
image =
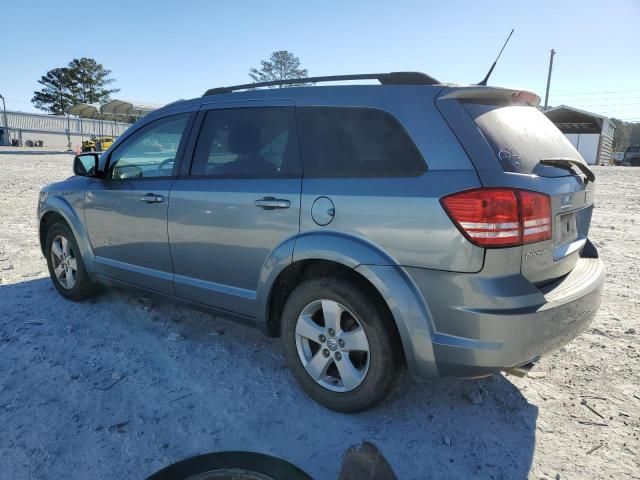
x=566 y=228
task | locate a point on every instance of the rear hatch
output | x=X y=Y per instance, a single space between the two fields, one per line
x=513 y=144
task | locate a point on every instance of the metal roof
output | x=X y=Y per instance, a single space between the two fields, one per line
x=574 y=120
x=89 y=110
x=128 y=108
x=575 y=110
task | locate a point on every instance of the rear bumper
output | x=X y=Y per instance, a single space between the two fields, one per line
x=484 y=324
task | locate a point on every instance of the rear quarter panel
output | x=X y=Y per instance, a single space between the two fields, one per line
x=402 y=216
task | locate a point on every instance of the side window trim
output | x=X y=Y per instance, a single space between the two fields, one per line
x=190 y=146
x=199 y=121
x=149 y=126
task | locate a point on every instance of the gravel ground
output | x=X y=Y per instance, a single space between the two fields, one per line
x=122 y=386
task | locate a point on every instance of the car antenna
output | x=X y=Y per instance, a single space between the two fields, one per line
x=486 y=79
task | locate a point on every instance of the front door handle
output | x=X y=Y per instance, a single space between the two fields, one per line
x=271 y=203
x=152 y=198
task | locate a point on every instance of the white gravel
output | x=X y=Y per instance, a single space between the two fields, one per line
x=120 y=387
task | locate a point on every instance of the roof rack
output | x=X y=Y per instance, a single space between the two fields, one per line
x=391 y=78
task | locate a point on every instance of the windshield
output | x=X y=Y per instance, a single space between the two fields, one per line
x=521 y=136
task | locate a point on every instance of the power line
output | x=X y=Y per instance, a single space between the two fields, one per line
x=573 y=94
x=604 y=99
x=614 y=107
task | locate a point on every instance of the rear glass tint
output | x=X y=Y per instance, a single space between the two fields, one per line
x=521 y=136
x=355 y=142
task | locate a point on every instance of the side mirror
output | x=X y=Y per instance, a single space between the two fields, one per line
x=86 y=164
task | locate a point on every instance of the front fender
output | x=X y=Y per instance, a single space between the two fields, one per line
x=69 y=208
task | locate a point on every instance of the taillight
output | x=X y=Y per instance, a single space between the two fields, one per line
x=500 y=217
x=536 y=216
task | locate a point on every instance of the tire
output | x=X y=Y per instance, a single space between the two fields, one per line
x=329 y=376
x=72 y=283
x=221 y=465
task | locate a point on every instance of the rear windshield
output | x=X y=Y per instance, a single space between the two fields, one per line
x=521 y=136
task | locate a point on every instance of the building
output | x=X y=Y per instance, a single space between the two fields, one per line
x=56 y=132
x=590 y=133
x=62 y=133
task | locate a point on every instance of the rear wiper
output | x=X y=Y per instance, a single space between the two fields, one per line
x=567 y=163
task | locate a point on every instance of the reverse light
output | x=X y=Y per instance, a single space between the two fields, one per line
x=500 y=217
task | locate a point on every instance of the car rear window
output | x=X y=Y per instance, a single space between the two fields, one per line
x=355 y=142
x=521 y=136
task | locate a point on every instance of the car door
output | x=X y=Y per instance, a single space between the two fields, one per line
x=240 y=200
x=126 y=212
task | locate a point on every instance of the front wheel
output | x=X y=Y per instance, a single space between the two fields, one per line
x=65 y=264
x=341 y=344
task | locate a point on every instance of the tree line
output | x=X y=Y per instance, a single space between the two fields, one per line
x=83 y=80
x=625 y=134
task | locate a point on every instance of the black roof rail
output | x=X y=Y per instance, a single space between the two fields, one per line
x=391 y=78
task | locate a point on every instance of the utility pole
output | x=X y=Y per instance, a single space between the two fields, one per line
x=546 y=96
x=6 y=122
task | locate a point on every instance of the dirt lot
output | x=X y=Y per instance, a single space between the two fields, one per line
x=119 y=387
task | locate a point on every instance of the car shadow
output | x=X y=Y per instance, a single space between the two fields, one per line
x=130 y=385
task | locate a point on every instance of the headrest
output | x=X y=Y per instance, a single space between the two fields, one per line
x=245 y=138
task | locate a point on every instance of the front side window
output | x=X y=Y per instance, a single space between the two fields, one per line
x=247 y=142
x=150 y=153
x=355 y=142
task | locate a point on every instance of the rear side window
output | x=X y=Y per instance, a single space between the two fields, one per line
x=355 y=142
x=247 y=142
x=521 y=136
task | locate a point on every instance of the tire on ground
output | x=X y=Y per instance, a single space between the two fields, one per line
x=386 y=363
x=83 y=288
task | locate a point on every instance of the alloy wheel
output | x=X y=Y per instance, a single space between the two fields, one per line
x=332 y=345
x=63 y=259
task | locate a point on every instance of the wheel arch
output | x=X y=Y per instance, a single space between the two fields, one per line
x=339 y=254
x=321 y=251
x=57 y=209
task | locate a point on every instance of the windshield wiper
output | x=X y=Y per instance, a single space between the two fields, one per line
x=568 y=163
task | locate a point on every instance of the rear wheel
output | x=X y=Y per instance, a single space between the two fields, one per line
x=65 y=264
x=341 y=344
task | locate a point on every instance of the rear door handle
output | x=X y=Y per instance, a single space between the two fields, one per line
x=152 y=198
x=271 y=203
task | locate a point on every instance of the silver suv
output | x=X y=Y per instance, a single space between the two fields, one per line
x=375 y=228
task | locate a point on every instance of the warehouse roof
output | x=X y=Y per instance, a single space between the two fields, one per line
x=113 y=108
x=89 y=110
x=128 y=108
x=574 y=120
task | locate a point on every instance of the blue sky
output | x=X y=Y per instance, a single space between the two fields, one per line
x=161 y=50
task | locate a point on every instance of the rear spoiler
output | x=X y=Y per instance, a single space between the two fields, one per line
x=522 y=97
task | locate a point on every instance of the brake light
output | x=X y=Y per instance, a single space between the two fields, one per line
x=528 y=98
x=500 y=217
